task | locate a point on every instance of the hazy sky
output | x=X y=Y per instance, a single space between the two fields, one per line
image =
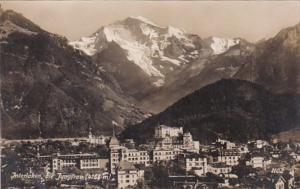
x=251 y=20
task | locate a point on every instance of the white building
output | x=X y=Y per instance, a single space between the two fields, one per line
x=165 y=154
x=81 y=161
x=258 y=162
x=229 y=157
x=119 y=153
x=193 y=161
x=163 y=131
x=184 y=142
x=135 y=156
x=218 y=168
x=96 y=139
x=94 y=163
x=128 y=175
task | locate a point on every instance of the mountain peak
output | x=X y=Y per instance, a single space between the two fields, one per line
x=157 y=51
x=18 y=20
x=143 y=19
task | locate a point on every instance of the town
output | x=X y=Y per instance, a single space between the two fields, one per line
x=170 y=159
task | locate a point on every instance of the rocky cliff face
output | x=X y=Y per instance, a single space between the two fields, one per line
x=275 y=63
x=48 y=89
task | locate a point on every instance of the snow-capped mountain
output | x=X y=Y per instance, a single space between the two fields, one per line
x=220 y=45
x=156 y=64
x=156 y=50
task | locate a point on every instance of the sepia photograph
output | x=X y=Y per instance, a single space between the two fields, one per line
x=114 y=94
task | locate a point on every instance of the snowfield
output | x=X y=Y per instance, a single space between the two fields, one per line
x=220 y=45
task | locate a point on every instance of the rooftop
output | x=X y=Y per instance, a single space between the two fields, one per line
x=125 y=166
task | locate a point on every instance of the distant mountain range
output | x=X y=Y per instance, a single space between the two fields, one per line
x=121 y=72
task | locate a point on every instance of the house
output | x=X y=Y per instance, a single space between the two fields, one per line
x=278 y=182
x=128 y=175
x=218 y=168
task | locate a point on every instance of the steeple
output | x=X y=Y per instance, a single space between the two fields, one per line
x=113 y=140
x=90 y=132
x=113 y=130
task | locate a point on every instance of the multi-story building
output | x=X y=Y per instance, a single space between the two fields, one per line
x=165 y=154
x=258 y=162
x=81 y=161
x=184 y=142
x=163 y=131
x=194 y=161
x=96 y=139
x=128 y=175
x=94 y=163
x=169 y=142
x=135 y=156
x=118 y=153
x=218 y=168
x=229 y=157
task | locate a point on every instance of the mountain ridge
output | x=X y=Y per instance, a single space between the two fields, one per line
x=49 y=89
x=233 y=109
